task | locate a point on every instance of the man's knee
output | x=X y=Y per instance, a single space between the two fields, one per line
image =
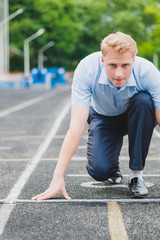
x=141 y=114
x=141 y=104
x=142 y=99
x=99 y=173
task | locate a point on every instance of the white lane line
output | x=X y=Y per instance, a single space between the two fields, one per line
x=29 y=103
x=105 y=200
x=15 y=160
x=156 y=132
x=78 y=175
x=5 y=148
x=101 y=185
x=23 y=137
x=126 y=158
x=6 y=210
x=63 y=136
x=17 y=137
x=76 y=159
x=82 y=147
x=124 y=175
x=115 y=222
x=85 y=136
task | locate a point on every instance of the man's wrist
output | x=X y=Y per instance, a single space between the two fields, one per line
x=58 y=174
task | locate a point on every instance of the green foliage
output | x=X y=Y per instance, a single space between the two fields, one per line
x=152 y=20
x=77 y=27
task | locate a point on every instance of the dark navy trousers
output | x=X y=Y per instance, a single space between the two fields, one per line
x=105 y=137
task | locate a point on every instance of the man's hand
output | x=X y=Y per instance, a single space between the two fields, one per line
x=79 y=118
x=57 y=186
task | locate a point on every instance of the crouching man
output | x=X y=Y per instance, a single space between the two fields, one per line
x=118 y=93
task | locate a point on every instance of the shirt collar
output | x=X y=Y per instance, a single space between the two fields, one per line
x=105 y=80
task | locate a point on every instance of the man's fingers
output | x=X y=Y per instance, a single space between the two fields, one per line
x=45 y=196
x=50 y=193
x=39 y=196
x=35 y=197
x=65 y=195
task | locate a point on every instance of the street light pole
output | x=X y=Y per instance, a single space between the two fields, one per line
x=41 y=51
x=26 y=52
x=1 y=39
x=4 y=41
x=13 y=15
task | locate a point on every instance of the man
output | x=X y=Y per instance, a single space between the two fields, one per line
x=118 y=93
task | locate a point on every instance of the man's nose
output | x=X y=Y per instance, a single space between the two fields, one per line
x=119 y=72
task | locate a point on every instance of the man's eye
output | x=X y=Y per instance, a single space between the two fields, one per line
x=112 y=65
x=125 y=65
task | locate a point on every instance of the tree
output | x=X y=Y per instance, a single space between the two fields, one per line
x=77 y=27
x=152 y=41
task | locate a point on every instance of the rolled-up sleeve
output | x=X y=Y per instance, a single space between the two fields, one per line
x=81 y=86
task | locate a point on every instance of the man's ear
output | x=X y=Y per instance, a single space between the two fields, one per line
x=102 y=59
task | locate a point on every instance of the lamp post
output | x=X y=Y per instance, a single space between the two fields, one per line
x=26 y=52
x=13 y=15
x=41 y=51
x=4 y=38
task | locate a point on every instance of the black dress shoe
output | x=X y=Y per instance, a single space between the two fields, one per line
x=116 y=178
x=137 y=188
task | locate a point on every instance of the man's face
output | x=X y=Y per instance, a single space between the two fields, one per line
x=118 y=66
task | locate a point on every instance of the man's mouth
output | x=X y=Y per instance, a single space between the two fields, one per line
x=119 y=80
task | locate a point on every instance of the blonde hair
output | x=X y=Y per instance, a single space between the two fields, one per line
x=120 y=43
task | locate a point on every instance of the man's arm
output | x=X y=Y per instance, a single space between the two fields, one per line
x=78 y=121
x=157 y=113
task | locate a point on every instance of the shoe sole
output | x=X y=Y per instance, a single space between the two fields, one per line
x=114 y=183
x=138 y=196
x=117 y=181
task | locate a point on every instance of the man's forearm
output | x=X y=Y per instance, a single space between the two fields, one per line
x=78 y=122
x=68 y=148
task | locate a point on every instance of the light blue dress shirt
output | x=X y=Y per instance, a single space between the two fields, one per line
x=91 y=86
